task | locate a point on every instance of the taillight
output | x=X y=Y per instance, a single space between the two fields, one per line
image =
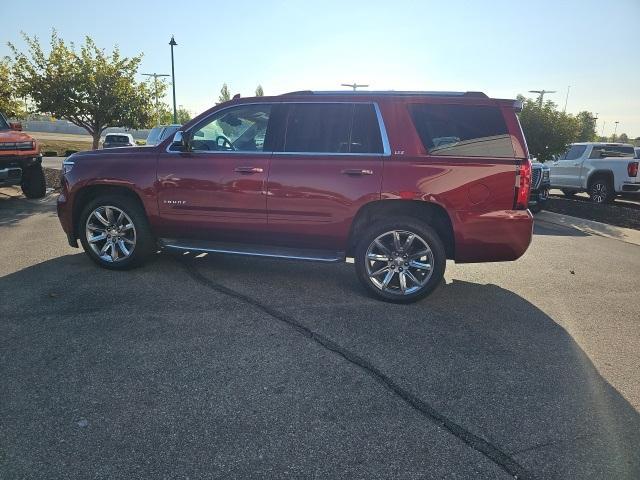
x=523 y=185
x=632 y=169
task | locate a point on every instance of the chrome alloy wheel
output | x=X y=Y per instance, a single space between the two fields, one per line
x=399 y=262
x=599 y=192
x=111 y=234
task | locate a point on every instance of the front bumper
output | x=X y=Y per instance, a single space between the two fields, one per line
x=497 y=236
x=65 y=215
x=539 y=197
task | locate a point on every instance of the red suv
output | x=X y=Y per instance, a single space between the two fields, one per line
x=400 y=181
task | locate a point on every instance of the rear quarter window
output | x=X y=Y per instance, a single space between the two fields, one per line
x=462 y=130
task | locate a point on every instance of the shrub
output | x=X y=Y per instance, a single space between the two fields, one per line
x=50 y=153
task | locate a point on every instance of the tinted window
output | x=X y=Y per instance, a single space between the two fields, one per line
x=168 y=131
x=240 y=129
x=574 y=152
x=602 y=151
x=318 y=128
x=117 y=139
x=365 y=130
x=154 y=136
x=462 y=130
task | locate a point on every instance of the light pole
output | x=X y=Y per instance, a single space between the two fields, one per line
x=615 y=130
x=173 y=80
x=155 y=82
x=353 y=85
x=566 y=100
x=541 y=94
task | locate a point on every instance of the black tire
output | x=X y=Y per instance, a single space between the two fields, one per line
x=425 y=234
x=145 y=243
x=601 y=190
x=569 y=193
x=33 y=182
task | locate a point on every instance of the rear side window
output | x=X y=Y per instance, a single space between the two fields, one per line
x=612 y=150
x=462 y=130
x=332 y=128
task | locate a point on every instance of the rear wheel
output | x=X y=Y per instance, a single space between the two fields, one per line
x=115 y=233
x=400 y=261
x=601 y=190
x=33 y=182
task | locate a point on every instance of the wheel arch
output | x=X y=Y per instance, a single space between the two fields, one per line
x=435 y=215
x=600 y=173
x=90 y=192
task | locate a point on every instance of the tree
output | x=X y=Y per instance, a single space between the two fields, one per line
x=166 y=115
x=547 y=130
x=623 y=138
x=587 y=126
x=259 y=91
x=90 y=88
x=10 y=104
x=225 y=96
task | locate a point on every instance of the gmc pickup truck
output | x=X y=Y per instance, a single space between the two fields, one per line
x=400 y=181
x=603 y=170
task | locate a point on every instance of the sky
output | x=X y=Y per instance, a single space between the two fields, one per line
x=502 y=48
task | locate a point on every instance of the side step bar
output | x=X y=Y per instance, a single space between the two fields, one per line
x=204 y=246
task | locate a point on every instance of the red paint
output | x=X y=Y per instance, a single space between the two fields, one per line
x=307 y=200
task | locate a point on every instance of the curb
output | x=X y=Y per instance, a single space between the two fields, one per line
x=627 y=235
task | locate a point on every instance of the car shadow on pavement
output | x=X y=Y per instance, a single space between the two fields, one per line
x=14 y=209
x=473 y=356
x=546 y=228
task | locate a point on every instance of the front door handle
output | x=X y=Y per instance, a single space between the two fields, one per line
x=357 y=171
x=248 y=170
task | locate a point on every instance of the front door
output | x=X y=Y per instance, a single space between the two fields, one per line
x=565 y=172
x=329 y=165
x=217 y=190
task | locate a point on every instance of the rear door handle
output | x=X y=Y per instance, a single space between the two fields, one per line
x=248 y=170
x=357 y=171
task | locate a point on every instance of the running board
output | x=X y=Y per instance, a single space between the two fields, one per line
x=204 y=246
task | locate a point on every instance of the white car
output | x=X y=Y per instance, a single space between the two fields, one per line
x=112 y=140
x=603 y=170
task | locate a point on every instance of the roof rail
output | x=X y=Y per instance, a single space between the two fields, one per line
x=398 y=93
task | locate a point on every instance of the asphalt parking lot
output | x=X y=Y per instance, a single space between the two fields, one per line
x=231 y=367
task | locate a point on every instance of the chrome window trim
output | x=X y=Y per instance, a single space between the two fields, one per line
x=386 y=148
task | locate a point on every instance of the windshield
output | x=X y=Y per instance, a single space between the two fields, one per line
x=154 y=135
x=3 y=123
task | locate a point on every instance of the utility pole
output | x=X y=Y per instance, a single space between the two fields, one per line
x=566 y=100
x=615 y=130
x=604 y=122
x=353 y=85
x=173 y=80
x=541 y=94
x=155 y=82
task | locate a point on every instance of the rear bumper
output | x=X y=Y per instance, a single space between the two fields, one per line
x=631 y=187
x=492 y=236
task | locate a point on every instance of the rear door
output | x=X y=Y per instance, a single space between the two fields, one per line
x=328 y=165
x=566 y=171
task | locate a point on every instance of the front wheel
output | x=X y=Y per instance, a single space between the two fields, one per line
x=34 y=184
x=400 y=261
x=115 y=233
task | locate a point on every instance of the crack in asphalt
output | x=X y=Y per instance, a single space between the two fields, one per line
x=493 y=453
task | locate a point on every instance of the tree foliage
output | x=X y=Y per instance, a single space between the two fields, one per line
x=10 y=104
x=225 y=96
x=548 y=131
x=90 y=88
x=259 y=91
x=587 y=127
x=166 y=115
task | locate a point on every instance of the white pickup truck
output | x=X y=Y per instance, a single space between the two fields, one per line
x=603 y=170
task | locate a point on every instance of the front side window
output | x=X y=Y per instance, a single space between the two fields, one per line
x=462 y=130
x=237 y=129
x=339 y=128
x=573 y=152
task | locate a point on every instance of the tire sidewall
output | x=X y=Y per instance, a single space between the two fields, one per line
x=422 y=229
x=144 y=240
x=608 y=190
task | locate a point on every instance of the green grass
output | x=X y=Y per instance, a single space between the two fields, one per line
x=61 y=146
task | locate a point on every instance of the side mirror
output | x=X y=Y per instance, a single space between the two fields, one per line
x=17 y=126
x=182 y=140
